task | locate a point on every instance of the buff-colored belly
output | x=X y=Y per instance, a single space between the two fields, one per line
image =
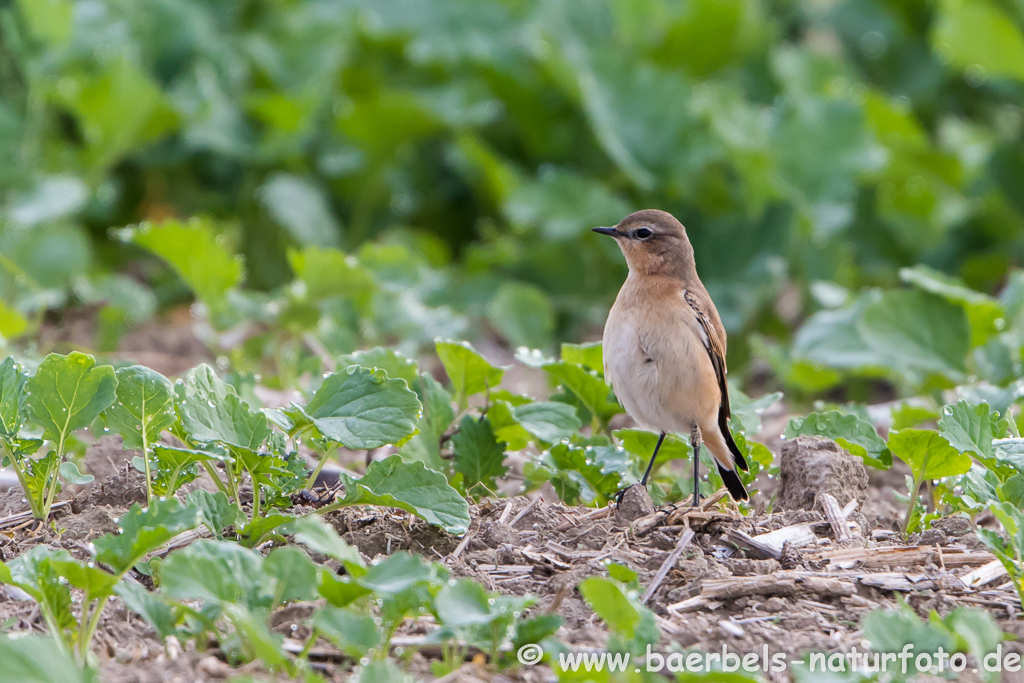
x=659 y=368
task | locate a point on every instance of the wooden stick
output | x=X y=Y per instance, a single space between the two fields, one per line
x=20 y=517
x=666 y=566
x=834 y=515
x=525 y=511
x=987 y=573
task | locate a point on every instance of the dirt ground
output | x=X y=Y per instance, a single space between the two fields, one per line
x=718 y=591
x=727 y=585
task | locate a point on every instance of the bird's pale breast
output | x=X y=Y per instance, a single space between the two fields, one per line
x=656 y=360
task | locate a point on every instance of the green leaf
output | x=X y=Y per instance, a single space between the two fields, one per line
x=175 y=467
x=590 y=355
x=12 y=398
x=976 y=628
x=362 y=408
x=212 y=412
x=39 y=659
x=319 y=536
x=982 y=310
x=977 y=34
x=379 y=671
x=479 y=456
x=972 y=428
x=145 y=530
x=591 y=390
x=746 y=412
x=330 y=273
x=398 y=573
x=469 y=372
x=196 y=253
x=856 y=435
x=548 y=421
x=410 y=487
x=928 y=454
x=889 y=630
x=918 y=333
x=641 y=444
x=217 y=572
x=354 y=634
x=144 y=406
x=1012 y=491
x=437 y=417
x=70 y=473
x=157 y=611
x=96 y=582
x=535 y=629
x=68 y=392
x=390 y=361
x=523 y=314
x=216 y=511
x=464 y=604
x=301 y=208
x=608 y=601
x=293 y=574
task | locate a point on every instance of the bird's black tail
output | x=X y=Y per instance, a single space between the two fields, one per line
x=737 y=457
x=731 y=479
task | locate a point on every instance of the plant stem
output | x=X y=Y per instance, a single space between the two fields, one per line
x=145 y=460
x=913 y=501
x=217 y=481
x=319 y=466
x=83 y=642
x=16 y=466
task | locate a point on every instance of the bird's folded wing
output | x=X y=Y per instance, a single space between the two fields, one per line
x=715 y=348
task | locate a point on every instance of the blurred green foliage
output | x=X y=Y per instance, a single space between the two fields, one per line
x=811 y=148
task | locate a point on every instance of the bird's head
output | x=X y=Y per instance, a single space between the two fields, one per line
x=653 y=242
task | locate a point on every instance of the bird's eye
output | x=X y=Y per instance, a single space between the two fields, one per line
x=642 y=234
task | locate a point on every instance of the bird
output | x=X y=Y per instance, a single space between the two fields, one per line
x=664 y=346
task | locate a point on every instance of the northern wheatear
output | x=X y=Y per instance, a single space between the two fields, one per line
x=664 y=345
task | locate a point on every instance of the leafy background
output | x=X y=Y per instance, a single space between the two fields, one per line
x=461 y=149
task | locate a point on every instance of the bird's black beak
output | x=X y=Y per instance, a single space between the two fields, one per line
x=611 y=232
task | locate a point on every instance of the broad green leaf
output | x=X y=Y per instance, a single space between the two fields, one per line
x=608 y=601
x=381 y=671
x=523 y=314
x=301 y=208
x=982 y=310
x=260 y=528
x=1012 y=491
x=535 y=629
x=977 y=628
x=978 y=35
x=70 y=473
x=362 y=408
x=144 y=406
x=175 y=467
x=856 y=435
x=319 y=536
x=216 y=511
x=928 y=454
x=69 y=392
x=215 y=571
x=157 y=611
x=917 y=333
x=464 y=604
x=330 y=273
x=479 y=456
x=340 y=591
x=12 y=398
x=390 y=361
x=641 y=444
x=413 y=488
x=196 y=253
x=469 y=372
x=746 y=412
x=548 y=421
x=293 y=574
x=354 y=634
x=973 y=428
x=437 y=417
x=889 y=630
x=398 y=573
x=212 y=412
x=589 y=475
x=95 y=582
x=590 y=355
x=39 y=659
x=145 y=530
x=591 y=390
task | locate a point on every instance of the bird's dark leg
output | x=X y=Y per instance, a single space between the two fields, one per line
x=695 y=443
x=647 y=473
x=650 y=464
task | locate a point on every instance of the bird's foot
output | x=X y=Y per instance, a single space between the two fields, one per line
x=695 y=503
